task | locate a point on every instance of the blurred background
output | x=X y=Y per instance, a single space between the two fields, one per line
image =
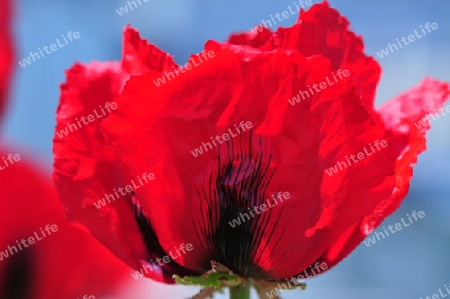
x=412 y=263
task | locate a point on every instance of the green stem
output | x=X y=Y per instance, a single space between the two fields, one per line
x=240 y=292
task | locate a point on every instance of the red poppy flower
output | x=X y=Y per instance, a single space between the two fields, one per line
x=60 y=261
x=243 y=121
x=42 y=256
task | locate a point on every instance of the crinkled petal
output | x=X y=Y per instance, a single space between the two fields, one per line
x=86 y=172
x=158 y=129
x=322 y=30
x=406 y=123
x=139 y=56
x=258 y=37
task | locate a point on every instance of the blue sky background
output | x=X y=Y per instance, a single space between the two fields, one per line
x=410 y=264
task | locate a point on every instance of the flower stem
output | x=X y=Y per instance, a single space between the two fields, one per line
x=240 y=292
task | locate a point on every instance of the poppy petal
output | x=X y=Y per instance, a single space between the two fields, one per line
x=83 y=162
x=256 y=38
x=322 y=30
x=139 y=56
x=63 y=253
x=406 y=123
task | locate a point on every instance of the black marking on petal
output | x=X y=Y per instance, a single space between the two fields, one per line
x=154 y=248
x=241 y=182
x=238 y=181
x=148 y=234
